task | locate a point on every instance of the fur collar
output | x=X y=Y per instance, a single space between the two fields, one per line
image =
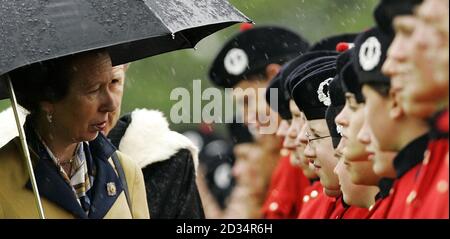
x=148 y=139
x=8 y=124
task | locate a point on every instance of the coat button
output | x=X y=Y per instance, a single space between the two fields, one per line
x=273 y=206
x=412 y=195
x=305 y=198
x=314 y=194
x=442 y=186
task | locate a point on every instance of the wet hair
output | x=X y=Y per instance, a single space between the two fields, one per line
x=381 y=88
x=43 y=81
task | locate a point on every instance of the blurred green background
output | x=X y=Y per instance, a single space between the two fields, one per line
x=150 y=81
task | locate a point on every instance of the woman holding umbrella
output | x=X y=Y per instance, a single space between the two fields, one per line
x=77 y=169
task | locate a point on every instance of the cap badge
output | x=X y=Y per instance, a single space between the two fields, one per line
x=323 y=93
x=236 y=61
x=370 y=54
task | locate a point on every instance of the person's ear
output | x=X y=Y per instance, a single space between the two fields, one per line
x=272 y=70
x=395 y=107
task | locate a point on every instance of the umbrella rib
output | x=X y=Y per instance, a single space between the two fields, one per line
x=24 y=145
x=160 y=19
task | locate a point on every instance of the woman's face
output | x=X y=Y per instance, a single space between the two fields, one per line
x=398 y=65
x=283 y=128
x=250 y=167
x=251 y=102
x=290 y=142
x=118 y=74
x=413 y=65
x=321 y=153
x=92 y=94
x=376 y=113
x=302 y=142
x=383 y=162
x=350 y=118
x=430 y=54
x=353 y=194
x=354 y=152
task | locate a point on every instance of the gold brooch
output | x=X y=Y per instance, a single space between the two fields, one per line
x=111 y=188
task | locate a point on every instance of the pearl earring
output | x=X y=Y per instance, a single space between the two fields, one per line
x=49 y=117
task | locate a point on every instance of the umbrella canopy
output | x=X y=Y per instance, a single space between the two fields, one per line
x=35 y=31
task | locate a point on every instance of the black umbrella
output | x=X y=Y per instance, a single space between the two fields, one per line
x=33 y=31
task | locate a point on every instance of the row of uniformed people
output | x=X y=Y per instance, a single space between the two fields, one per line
x=364 y=117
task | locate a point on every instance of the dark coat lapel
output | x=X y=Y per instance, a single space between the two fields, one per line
x=102 y=200
x=53 y=187
x=50 y=183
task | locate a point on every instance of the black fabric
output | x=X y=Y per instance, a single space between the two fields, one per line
x=116 y=133
x=281 y=104
x=306 y=95
x=330 y=43
x=171 y=188
x=169 y=178
x=350 y=82
x=373 y=75
x=307 y=68
x=281 y=80
x=213 y=166
x=330 y=117
x=337 y=94
x=337 y=97
x=239 y=133
x=411 y=155
x=387 y=10
x=313 y=180
x=435 y=132
x=385 y=186
x=262 y=46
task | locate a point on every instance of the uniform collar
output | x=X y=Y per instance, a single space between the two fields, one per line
x=439 y=125
x=385 y=186
x=313 y=180
x=411 y=155
x=53 y=187
x=341 y=199
x=101 y=148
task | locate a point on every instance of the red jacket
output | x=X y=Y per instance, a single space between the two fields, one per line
x=286 y=190
x=316 y=205
x=344 y=211
x=407 y=165
x=430 y=196
x=383 y=200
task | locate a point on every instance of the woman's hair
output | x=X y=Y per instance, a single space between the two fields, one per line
x=42 y=81
x=381 y=88
x=46 y=81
